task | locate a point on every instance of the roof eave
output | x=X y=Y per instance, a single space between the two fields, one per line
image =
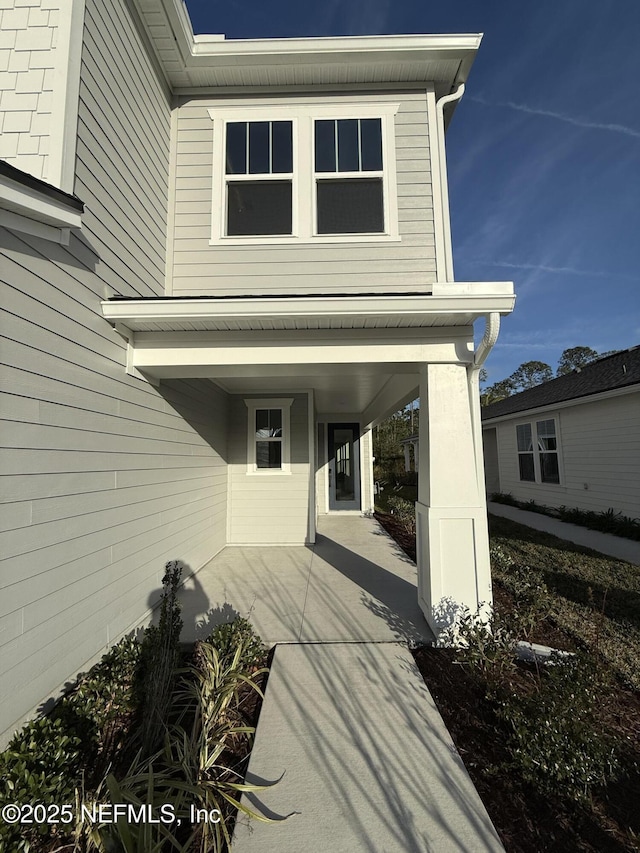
x=190 y=60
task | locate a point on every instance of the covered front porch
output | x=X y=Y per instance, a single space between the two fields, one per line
x=353 y=585
x=314 y=375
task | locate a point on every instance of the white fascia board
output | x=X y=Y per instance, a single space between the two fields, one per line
x=211 y=49
x=472 y=298
x=525 y=414
x=444 y=46
x=32 y=204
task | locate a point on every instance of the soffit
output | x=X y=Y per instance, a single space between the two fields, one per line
x=458 y=304
x=197 y=62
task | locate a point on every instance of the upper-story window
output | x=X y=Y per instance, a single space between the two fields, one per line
x=304 y=173
x=349 y=176
x=259 y=177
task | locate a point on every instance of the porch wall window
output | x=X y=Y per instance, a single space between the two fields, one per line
x=538 y=451
x=269 y=439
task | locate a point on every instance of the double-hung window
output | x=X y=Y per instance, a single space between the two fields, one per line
x=348 y=176
x=305 y=172
x=268 y=436
x=259 y=177
x=538 y=452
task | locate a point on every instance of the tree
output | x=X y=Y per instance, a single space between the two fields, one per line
x=530 y=374
x=496 y=392
x=574 y=358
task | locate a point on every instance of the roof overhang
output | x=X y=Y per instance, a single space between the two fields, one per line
x=29 y=197
x=458 y=304
x=211 y=61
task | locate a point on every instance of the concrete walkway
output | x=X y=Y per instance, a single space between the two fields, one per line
x=355 y=584
x=604 y=543
x=366 y=762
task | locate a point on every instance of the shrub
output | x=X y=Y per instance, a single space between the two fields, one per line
x=194 y=765
x=404 y=511
x=485 y=644
x=554 y=738
x=159 y=659
x=229 y=636
x=42 y=764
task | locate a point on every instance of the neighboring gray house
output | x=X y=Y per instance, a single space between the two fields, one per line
x=223 y=262
x=573 y=441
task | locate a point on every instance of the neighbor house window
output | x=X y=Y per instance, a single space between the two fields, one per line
x=538 y=451
x=268 y=436
x=304 y=172
x=348 y=176
x=259 y=177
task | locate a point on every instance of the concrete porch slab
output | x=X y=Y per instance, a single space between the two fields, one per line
x=366 y=762
x=354 y=585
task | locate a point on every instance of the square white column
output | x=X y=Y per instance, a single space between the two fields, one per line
x=451 y=515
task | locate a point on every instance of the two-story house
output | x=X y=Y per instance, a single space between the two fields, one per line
x=223 y=262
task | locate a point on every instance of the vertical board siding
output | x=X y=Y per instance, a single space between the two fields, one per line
x=103 y=477
x=600 y=448
x=203 y=269
x=268 y=509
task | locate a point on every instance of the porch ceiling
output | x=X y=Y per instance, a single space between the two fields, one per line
x=359 y=353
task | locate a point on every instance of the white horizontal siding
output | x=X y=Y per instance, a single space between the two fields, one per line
x=103 y=477
x=123 y=152
x=268 y=509
x=201 y=269
x=600 y=449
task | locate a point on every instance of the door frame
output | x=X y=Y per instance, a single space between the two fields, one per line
x=356 y=504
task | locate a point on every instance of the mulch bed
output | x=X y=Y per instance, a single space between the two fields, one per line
x=526 y=820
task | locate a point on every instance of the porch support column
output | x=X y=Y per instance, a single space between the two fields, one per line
x=451 y=517
x=407 y=457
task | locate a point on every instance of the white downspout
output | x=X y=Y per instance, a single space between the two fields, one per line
x=485 y=346
x=444 y=187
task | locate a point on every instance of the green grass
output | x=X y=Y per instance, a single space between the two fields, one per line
x=594 y=597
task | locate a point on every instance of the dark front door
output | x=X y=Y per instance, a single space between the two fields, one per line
x=344 y=466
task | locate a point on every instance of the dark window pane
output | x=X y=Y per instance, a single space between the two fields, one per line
x=258 y=207
x=262 y=423
x=325 y=135
x=275 y=422
x=371 y=144
x=549 y=471
x=259 y=148
x=527 y=471
x=268 y=423
x=268 y=454
x=282 y=147
x=350 y=206
x=348 y=160
x=237 y=148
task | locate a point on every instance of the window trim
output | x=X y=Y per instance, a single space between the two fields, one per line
x=537 y=452
x=284 y=405
x=303 y=180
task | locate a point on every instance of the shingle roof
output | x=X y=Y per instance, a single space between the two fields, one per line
x=614 y=371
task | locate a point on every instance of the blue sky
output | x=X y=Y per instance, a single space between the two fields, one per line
x=543 y=152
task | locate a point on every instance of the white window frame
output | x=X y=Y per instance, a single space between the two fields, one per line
x=535 y=449
x=303 y=180
x=284 y=405
x=337 y=176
